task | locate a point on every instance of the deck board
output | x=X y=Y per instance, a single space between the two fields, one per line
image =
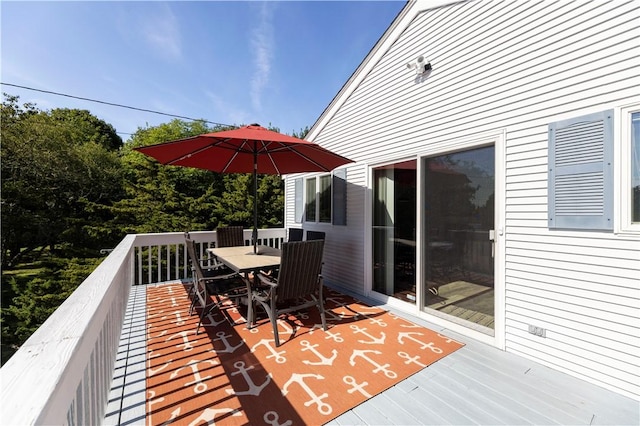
x=478 y=384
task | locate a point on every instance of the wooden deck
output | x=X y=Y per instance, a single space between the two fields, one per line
x=477 y=384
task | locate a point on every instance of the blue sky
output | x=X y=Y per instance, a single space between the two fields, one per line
x=274 y=63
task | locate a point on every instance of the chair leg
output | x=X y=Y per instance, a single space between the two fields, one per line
x=321 y=308
x=274 y=325
x=270 y=306
x=193 y=304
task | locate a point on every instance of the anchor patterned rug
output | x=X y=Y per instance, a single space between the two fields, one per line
x=227 y=374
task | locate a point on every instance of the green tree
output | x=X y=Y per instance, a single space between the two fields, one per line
x=60 y=170
x=163 y=198
x=51 y=169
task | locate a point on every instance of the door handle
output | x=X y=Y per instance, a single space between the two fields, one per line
x=492 y=238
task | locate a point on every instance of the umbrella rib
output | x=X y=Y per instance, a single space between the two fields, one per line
x=311 y=160
x=214 y=143
x=237 y=150
x=273 y=162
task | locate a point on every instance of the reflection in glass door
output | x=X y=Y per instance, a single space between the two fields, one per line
x=394 y=230
x=458 y=208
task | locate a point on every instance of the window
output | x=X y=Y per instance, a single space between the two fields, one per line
x=310 y=197
x=580 y=193
x=324 y=198
x=630 y=169
x=318 y=196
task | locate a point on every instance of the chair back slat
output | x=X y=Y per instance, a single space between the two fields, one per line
x=296 y=234
x=315 y=235
x=300 y=267
x=193 y=258
x=230 y=236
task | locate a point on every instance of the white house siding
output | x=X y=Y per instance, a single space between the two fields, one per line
x=510 y=66
x=344 y=247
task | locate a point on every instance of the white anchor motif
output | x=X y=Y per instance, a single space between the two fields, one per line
x=163 y=333
x=272 y=418
x=384 y=368
x=174 y=302
x=227 y=347
x=174 y=415
x=186 y=345
x=411 y=360
x=372 y=310
x=337 y=300
x=323 y=360
x=407 y=335
x=179 y=320
x=374 y=340
x=153 y=371
x=198 y=380
x=274 y=354
x=336 y=337
x=376 y=321
x=331 y=316
x=448 y=339
x=406 y=323
x=323 y=407
x=253 y=388
x=212 y=322
x=153 y=400
x=208 y=416
x=302 y=314
x=359 y=387
x=285 y=325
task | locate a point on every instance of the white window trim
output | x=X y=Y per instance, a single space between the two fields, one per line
x=622 y=181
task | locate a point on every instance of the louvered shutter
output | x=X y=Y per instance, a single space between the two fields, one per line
x=297 y=206
x=580 y=191
x=339 y=203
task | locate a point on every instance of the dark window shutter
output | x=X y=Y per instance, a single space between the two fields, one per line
x=339 y=203
x=298 y=206
x=580 y=193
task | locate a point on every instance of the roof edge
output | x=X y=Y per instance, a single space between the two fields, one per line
x=411 y=9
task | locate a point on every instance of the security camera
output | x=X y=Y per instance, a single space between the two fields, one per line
x=421 y=65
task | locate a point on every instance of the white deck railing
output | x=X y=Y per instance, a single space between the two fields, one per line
x=62 y=374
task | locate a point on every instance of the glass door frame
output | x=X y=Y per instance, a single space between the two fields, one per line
x=497 y=139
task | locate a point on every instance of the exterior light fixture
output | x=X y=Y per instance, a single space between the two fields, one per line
x=421 y=65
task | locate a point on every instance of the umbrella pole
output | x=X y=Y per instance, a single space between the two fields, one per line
x=255 y=198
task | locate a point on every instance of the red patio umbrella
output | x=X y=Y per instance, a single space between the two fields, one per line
x=249 y=149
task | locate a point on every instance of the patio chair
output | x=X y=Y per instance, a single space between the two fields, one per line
x=298 y=280
x=211 y=282
x=210 y=265
x=230 y=236
x=296 y=234
x=315 y=235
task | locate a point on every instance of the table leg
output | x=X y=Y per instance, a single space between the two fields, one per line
x=250 y=313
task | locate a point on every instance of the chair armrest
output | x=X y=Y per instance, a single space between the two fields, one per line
x=266 y=280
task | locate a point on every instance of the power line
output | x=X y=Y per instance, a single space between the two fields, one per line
x=114 y=104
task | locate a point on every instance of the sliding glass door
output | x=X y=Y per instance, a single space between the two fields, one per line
x=458 y=213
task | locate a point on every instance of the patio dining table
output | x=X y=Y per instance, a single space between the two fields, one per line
x=242 y=260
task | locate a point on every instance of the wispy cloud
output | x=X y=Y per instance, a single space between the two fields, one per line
x=161 y=31
x=262 y=45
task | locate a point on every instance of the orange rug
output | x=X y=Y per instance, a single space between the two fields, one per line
x=227 y=374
